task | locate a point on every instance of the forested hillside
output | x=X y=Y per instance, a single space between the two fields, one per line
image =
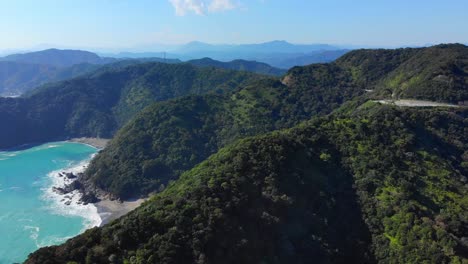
x=171 y=137
x=283 y=198
x=20 y=73
x=17 y=78
x=240 y=65
x=195 y=132
x=409 y=171
x=438 y=73
x=358 y=182
x=96 y=105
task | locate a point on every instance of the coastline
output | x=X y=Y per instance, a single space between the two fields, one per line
x=98 y=143
x=105 y=208
x=70 y=202
x=110 y=210
x=43 y=216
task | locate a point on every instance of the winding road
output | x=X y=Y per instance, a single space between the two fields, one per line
x=415 y=103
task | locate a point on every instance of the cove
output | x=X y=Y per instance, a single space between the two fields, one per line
x=31 y=214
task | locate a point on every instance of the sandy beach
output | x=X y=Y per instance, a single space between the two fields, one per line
x=99 y=143
x=107 y=209
x=110 y=210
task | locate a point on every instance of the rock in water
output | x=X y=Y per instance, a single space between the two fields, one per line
x=70 y=175
x=76 y=185
x=89 y=198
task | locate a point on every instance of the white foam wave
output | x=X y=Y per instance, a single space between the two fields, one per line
x=5 y=216
x=6 y=155
x=43 y=147
x=33 y=233
x=47 y=241
x=57 y=201
x=51 y=240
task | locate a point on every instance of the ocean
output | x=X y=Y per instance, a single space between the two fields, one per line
x=31 y=214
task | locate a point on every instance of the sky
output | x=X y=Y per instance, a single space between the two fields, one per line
x=132 y=24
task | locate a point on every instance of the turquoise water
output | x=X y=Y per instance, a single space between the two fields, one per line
x=31 y=215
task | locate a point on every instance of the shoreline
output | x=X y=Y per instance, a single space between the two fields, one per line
x=110 y=210
x=104 y=208
x=68 y=203
x=99 y=143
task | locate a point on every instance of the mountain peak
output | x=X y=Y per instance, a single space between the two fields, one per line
x=196 y=42
x=278 y=42
x=56 y=57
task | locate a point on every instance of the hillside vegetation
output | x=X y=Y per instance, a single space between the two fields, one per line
x=96 y=105
x=282 y=198
x=20 y=73
x=239 y=65
x=438 y=73
x=17 y=78
x=171 y=137
x=342 y=179
x=409 y=171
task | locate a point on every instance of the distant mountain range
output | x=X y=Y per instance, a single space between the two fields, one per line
x=267 y=47
x=20 y=73
x=25 y=71
x=280 y=54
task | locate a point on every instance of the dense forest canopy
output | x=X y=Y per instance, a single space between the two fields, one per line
x=240 y=65
x=171 y=137
x=96 y=105
x=401 y=170
x=248 y=168
x=21 y=73
x=438 y=73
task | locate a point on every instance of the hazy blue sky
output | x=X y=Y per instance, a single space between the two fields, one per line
x=130 y=23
